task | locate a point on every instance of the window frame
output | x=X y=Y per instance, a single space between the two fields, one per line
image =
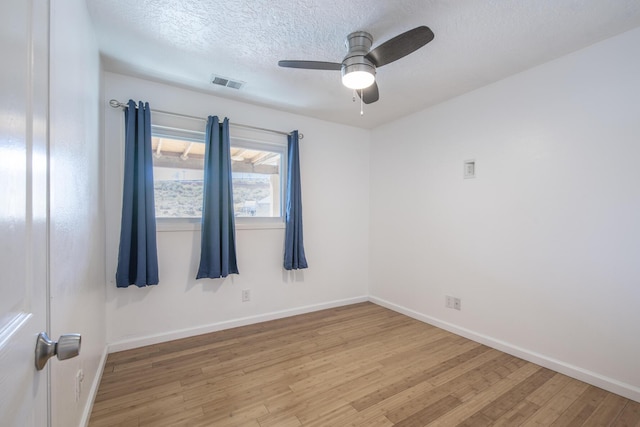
x=241 y=138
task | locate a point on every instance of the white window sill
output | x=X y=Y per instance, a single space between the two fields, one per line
x=193 y=224
x=259 y=225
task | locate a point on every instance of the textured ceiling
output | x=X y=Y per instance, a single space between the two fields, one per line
x=476 y=43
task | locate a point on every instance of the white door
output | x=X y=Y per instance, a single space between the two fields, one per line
x=24 y=33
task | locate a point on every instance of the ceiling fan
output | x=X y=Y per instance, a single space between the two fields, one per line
x=359 y=65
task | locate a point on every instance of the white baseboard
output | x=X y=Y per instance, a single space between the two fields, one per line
x=227 y=324
x=86 y=413
x=626 y=390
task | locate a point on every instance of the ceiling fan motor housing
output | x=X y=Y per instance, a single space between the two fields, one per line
x=358 y=43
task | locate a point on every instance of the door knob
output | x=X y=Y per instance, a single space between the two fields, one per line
x=68 y=346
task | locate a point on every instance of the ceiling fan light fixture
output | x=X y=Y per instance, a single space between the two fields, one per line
x=358 y=75
x=358 y=79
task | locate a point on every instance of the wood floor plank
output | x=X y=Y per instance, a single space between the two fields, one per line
x=517 y=415
x=430 y=413
x=549 y=389
x=504 y=403
x=582 y=408
x=131 y=401
x=491 y=389
x=629 y=417
x=385 y=391
x=554 y=408
x=608 y=410
x=359 y=365
x=278 y=420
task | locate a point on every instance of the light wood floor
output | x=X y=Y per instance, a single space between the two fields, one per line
x=358 y=365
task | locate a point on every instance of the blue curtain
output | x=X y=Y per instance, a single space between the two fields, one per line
x=218 y=247
x=138 y=254
x=294 y=257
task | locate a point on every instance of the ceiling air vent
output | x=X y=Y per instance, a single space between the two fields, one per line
x=227 y=82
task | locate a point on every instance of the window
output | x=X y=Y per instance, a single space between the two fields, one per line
x=257 y=174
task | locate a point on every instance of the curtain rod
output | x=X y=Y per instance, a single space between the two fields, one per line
x=117 y=104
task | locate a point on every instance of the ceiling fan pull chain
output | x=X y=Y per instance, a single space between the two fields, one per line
x=354 y=95
x=361 y=103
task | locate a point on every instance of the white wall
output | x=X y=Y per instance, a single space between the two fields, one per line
x=543 y=247
x=77 y=256
x=335 y=181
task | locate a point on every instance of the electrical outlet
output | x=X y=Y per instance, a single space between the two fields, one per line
x=448 y=301
x=246 y=295
x=456 y=303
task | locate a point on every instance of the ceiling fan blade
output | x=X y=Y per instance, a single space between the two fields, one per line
x=400 y=46
x=311 y=65
x=370 y=94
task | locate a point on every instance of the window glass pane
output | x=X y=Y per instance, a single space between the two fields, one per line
x=256 y=182
x=178 y=175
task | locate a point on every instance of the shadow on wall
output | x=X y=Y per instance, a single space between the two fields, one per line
x=292 y=276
